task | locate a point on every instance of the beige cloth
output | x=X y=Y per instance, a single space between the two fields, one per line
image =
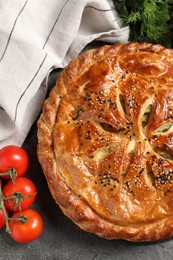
x=37 y=36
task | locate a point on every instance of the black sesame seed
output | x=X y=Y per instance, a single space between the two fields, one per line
x=88 y=137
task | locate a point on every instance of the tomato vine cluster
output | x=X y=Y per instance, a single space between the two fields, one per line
x=17 y=194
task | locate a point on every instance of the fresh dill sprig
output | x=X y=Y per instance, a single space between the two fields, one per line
x=149 y=20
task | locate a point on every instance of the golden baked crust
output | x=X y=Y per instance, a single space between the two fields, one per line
x=105 y=141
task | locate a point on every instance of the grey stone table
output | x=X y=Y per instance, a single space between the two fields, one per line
x=63 y=240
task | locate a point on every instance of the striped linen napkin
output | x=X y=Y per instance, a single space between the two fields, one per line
x=36 y=37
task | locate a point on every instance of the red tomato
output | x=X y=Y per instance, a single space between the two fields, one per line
x=2 y=218
x=13 y=157
x=28 y=230
x=22 y=186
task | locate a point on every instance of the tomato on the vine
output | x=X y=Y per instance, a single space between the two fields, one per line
x=13 y=158
x=28 y=228
x=22 y=192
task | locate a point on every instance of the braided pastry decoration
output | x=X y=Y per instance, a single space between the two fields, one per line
x=105 y=141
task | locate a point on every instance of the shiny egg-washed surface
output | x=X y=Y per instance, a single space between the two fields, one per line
x=105 y=141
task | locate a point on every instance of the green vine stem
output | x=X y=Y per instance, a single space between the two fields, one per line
x=11 y=172
x=21 y=219
x=18 y=197
x=4 y=212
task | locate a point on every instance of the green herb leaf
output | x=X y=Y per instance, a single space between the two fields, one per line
x=149 y=20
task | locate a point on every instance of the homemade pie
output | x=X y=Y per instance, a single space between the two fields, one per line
x=105 y=141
